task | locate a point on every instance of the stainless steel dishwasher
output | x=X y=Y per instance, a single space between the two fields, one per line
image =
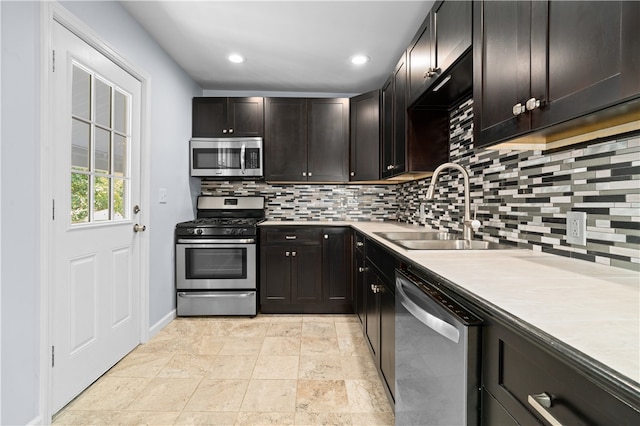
x=437 y=356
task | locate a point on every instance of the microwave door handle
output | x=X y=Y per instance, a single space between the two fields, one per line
x=242 y=162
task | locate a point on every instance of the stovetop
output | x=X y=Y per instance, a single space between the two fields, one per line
x=217 y=222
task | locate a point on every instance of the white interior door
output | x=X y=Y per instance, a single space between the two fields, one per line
x=96 y=187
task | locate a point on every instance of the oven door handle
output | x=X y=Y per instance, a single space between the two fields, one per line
x=229 y=241
x=212 y=295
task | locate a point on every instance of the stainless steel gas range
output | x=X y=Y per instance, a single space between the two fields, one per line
x=216 y=257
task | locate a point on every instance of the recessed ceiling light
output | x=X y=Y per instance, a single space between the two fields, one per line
x=359 y=59
x=235 y=58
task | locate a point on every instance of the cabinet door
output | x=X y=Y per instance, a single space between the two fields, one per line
x=328 y=140
x=336 y=266
x=400 y=97
x=585 y=56
x=365 y=137
x=275 y=273
x=388 y=336
x=372 y=306
x=452 y=24
x=420 y=59
x=306 y=275
x=246 y=116
x=387 y=129
x=359 y=286
x=285 y=139
x=209 y=117
x=501 y=76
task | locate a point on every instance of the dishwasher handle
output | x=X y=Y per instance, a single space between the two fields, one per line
x=438 y=325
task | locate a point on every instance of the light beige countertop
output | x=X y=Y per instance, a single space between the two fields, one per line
x=591 y=308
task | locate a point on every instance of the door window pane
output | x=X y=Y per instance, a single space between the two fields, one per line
x=80 y=138
x=120 y=155
x=119 y=199
x=103 y=104
x=103 y=149
x=101 y=199
x=81 y=94
x=79 y=198
x=121 y=112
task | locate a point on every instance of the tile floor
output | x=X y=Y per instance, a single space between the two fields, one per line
x=268 y=370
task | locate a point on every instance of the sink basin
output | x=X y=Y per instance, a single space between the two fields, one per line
x=406 y=236
x=435 y=240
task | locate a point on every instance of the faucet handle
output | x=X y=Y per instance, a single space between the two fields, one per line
x=475 y=223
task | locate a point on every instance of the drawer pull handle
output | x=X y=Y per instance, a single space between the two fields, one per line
x=290 y=237
x=540 y=402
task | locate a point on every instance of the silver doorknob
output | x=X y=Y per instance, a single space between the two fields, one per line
x=139 y=228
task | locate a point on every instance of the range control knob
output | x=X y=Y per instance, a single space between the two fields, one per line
x=198 y=231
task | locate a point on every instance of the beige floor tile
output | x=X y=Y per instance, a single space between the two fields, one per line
x=285 y=329
x=218 y=395
x=206 y=345
x=348 y=329
x=284 y=318
x=373 y=419
x=140 y=364
x=110 y=393
x=367 y=396
x=319 y=329
x=164 y=394
x=187 y=327
x=320 y=367
x=276 y=367
x=318 y=396
x=319 y=346
x=187 y=365
x=270 y=396
x=232 y=367
x=242 y=346
x=88 y=418
x=188 y=418
x=167 y=343
x=280 y=346
x=334 y=419
x=239 y=329
x=265 y=419
x=352 y=345
x=318 y=318
x=144 y=418
x=359 y=367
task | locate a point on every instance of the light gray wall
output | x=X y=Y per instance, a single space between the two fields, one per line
x=171 y=93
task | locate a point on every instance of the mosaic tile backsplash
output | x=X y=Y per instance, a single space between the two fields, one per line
x=521 y=197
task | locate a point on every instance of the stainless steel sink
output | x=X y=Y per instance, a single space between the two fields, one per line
x=435 y=240
x=426 y=235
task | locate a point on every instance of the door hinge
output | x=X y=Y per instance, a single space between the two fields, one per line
x=53 y=60
x=53 y=356
x=53 y=209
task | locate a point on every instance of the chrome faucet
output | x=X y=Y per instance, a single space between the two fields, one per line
x=469 y=226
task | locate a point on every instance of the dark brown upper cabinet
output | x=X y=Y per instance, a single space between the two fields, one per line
x=365 y=137
x=224 y=117
x=540 y=64
x=440 y=69
x=394 y=121
x=306 y=139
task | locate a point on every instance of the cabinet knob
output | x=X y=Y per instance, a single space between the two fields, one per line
x=352 y=174
x=363 y=269
x=293 y=253
x=359 y=243
x=518 y=109
x=326 y=236
x=532 y=104
x=230 y=130
x=309 y=174
x=390 y=167
x=432 y=72
x=286 y=253
x=304 y=174
x=224 y=130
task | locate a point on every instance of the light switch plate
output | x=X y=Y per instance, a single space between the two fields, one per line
x=162 y=196
x=577 y=228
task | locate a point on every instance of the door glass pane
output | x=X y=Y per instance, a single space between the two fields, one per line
x=102 y=196
x=80 y=137
x=81 y=94
x=119 y=199
x=79 y=198
x=103 y=104
x=120 y=112
x=103 y=150
x=120 y=155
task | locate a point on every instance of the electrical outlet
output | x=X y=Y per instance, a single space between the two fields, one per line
x=577 y=228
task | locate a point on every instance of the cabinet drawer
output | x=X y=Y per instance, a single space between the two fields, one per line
x=515 y=368
x=293 y=235
x=383 y=260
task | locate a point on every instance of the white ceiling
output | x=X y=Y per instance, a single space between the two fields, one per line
x=289 y=46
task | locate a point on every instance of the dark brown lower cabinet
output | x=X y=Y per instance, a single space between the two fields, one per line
x=305 y=270
x=517 y=371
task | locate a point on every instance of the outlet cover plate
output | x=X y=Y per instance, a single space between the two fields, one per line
x=577 y=228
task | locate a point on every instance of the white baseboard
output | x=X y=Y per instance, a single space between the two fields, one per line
x=155 y=328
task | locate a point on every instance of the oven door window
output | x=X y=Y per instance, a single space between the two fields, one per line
x=216 y=263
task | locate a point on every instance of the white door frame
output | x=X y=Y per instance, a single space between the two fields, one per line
x=53 y=12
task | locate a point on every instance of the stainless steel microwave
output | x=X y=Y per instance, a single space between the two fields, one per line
x=226 y=157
